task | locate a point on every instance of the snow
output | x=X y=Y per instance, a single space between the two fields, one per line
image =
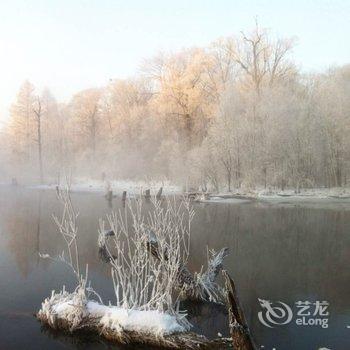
x=145 y=321
x=74 y=306
x=237 y=196
x=216 y=199
x=340 y=194
x=117 y=186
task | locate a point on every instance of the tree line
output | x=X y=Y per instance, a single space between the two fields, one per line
x=237 y=113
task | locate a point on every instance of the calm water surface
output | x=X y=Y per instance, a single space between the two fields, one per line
x=280 y=252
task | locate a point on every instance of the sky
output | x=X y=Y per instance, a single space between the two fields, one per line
x=69 y=45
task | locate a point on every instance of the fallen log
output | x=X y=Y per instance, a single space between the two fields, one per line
x=84 y=338
x=83 y=320
x=74 y=313
x=239 y=330
x=188 y=340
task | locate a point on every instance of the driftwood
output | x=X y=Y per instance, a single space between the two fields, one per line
x=215 y=265
x=188 y=340
x=199 y=287
x=203 y=286
x=240 y=334
x=185 y=340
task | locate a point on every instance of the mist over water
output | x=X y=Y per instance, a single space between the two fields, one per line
x=287 y=252
x=251 y=127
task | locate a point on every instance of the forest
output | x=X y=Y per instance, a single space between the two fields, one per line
x=237 y=113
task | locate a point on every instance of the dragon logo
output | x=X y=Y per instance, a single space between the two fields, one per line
x=274 y=314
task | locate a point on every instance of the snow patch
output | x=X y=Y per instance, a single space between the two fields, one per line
x=75 y=308
x=118 y=186
x=336 y=194
x=305 y=194
x=215 y=199
x=145 y=321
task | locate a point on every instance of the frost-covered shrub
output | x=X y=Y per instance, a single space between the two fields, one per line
x=144 y=285
x=146 y=253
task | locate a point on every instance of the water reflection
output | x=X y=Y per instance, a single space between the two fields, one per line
x=277 y=252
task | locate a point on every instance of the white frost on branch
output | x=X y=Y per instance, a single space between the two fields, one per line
x=140 y=281
x=143 y=287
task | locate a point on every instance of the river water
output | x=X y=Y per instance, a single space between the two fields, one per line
x=295 y=256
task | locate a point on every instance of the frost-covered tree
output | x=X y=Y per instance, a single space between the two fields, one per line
x=237 y=113
x=55 y=134
x=86 y=122
x=183 y=92
x=331 y=109
x=21 y=127
x=262 y=60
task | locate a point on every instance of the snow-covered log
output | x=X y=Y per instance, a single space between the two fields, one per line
x=74 y=311
x=147 y=309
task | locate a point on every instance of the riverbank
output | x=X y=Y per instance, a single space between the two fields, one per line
x=240 y=195
x=304 y=195
x=117 y=186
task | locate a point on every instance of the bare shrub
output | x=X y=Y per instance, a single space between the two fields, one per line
x=141 y=281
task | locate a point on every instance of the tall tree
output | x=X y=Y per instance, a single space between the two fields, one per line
x=22 y=124
x=85 y=110
x=38 y=114
x=182 y=94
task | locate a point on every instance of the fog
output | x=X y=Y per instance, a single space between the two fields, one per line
x=236 y=113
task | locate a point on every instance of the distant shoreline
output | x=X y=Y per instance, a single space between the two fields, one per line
x=238 y=195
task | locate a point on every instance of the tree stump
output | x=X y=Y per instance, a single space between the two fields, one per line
x=159 y=194
x=109 y=195
x=148 y=194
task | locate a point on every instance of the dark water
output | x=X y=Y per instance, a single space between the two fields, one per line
x=285 y=253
